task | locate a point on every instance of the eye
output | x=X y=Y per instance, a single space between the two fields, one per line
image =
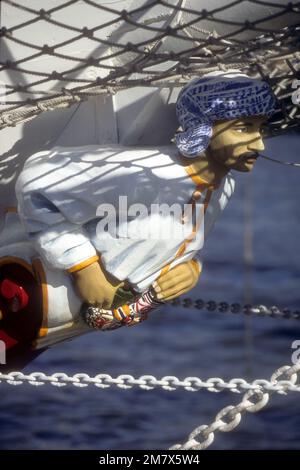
x=241 y=129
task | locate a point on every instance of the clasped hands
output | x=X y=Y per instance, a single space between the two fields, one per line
x=96 y=287
x=179 y=280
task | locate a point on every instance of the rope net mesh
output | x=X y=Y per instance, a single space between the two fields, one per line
x=75 y=49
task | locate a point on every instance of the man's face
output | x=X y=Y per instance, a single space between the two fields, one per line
x=236 y=143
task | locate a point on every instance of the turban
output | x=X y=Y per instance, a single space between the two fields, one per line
x=214 y=97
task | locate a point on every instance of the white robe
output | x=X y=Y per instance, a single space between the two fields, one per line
x=59 y=193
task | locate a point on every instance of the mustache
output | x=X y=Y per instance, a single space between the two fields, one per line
x=246 y=155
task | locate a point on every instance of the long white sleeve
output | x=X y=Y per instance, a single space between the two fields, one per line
x=62 y=244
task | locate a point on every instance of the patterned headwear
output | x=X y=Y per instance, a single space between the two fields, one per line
x=214 y=97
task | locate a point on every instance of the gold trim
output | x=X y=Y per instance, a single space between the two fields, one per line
x=199 y=182
x=83 y=264
x=41 y=278
x=10 y=209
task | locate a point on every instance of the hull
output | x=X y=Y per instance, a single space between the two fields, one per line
x=56 y=306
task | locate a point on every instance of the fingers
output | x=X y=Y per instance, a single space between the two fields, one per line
x=168 y=284
x=179 y=270
x=162 y=285
x=173 y=277
x=177 y=294
x=104 y=303
x=177 y=281
x=173 y=291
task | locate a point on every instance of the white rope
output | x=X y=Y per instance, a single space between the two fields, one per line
x=230 y=417
x=68 y=97
x=149 y=382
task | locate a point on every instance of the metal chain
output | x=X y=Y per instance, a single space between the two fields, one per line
x=149 y=382
x=230 y=417
x=225 y=307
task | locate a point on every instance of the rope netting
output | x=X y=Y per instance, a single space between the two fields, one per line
x=75 y=49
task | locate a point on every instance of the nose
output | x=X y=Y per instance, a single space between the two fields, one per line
x=257 y=144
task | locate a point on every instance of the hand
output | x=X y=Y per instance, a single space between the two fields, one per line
x=177 y=281
x=95 y=286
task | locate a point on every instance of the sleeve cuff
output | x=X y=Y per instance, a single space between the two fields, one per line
x=83 y=264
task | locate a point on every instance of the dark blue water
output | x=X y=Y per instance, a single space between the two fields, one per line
x=182 y=342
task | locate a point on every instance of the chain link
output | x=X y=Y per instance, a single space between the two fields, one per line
x=253 y=401
x=256 y=393
x=171 y=383
x=225 y=307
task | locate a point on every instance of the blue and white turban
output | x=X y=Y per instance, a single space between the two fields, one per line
x=214 y=97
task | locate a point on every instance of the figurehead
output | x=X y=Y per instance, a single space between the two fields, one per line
x=215 y=97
